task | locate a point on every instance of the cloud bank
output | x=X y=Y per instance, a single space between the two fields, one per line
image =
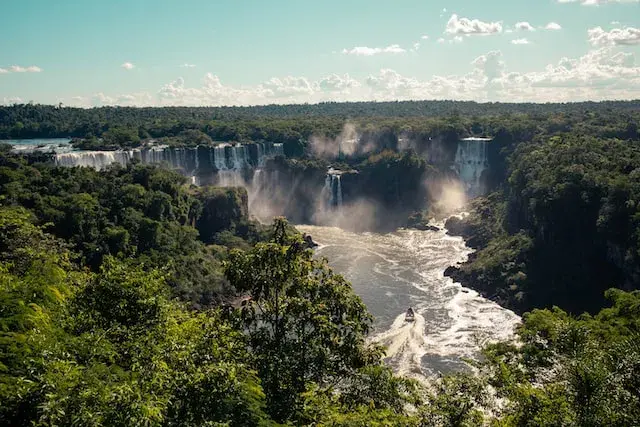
x=603 y=73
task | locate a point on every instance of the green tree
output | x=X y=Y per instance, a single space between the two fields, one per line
x=305 y=324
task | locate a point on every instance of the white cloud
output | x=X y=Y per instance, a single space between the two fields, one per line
x=370 y=51
x=337 y=83
x=524 y=26
x=3 y=71
x=617 y=36
x=603 y=73
x=101 y=100
x=490 y=64
x=128 y=66
x=602 y=70
x=520 y=41
x=289 y=86
x=615 y=22
x=597 y=2
x=12 y=100
x=19 y=69
x=425 y=37
x=553 y=26
x=392 y=83
x=457 y=26
x=186 y=65
x=440 y=40
x=416 y=46
x=456 y=39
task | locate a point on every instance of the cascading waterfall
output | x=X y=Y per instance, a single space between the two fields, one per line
x=338 y=191
x=470 y=162
x=260 y=148
x=95 y=159
x=220 y=158
x=327 y=190
x=332 y=190
x=277 y=149
x=239 y=156
x=190 y=161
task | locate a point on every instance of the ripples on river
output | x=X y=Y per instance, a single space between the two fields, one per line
x=394 y=271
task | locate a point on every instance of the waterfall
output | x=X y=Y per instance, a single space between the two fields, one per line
x=277 y=150
x=234 y=157
x=239 y=156
x=260 y=148
x=220 y=157
x=95 y=159
x=223 y=164
x=332 y=190
x=230 y=178
x=338 y=190
x=470 y=162
x=327 y=190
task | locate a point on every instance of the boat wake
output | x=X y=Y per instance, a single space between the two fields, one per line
x=405 y=344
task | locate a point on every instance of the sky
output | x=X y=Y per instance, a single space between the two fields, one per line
x=248 y=52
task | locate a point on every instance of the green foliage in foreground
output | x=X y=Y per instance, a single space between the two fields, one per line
x=581 y=371
x=110 y=347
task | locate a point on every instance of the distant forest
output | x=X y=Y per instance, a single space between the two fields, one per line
x=290 y=123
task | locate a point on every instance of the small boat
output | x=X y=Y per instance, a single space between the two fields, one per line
x=410 y=316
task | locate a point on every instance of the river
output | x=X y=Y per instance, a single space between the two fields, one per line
x=394 y=271
x=59 y=145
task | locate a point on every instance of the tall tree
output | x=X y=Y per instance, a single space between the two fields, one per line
x=304 y=322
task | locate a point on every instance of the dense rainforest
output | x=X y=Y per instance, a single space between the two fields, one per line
x=381 y=123
x=562 y=228
x=129 y=297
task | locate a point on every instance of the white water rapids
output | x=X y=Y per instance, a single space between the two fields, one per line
x=394 y=271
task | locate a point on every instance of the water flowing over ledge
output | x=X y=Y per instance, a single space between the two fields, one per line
x=190 y=161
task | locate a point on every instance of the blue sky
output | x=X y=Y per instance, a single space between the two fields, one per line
x=199 y=52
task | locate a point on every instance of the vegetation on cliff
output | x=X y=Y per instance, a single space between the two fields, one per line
x=564 y=227
x=141 y=215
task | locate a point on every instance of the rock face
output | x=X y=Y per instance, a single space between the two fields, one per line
x=309 y=241
x=426 y=227
x=222 y=209
x=473 y=237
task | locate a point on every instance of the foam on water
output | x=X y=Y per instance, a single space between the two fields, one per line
x=394 y=271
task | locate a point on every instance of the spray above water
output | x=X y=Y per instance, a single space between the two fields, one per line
x=448 y=195
x=346 y=143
